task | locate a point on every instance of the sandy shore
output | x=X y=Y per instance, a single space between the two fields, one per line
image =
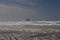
x=29 y=35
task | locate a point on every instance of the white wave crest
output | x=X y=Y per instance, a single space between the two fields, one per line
x=30 y=23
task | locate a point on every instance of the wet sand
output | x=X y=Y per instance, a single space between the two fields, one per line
x=29 y=35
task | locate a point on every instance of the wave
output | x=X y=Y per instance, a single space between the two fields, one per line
x=29 y=22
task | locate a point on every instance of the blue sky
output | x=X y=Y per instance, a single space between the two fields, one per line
x=15 y=10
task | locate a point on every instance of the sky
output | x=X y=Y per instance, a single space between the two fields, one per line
x=17 y=10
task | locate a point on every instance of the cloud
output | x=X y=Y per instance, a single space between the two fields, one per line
x=28 y=2
x=6 y=9
x=32 y=4
x=19 y=2
x=14 y=13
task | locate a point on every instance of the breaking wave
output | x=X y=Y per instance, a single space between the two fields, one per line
x=20 y=25
x=30 y=23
